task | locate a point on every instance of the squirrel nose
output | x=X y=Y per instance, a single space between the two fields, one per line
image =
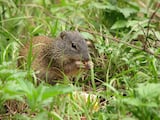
x=86 y=58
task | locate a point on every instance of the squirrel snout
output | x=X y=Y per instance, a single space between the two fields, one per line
x=86 y=62
x=85 y=58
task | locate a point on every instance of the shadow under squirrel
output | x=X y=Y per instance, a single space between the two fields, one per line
x=52 y=58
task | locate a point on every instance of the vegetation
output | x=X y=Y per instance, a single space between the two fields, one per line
x=125 y=50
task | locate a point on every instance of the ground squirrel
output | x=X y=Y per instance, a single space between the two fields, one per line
x=52 y=58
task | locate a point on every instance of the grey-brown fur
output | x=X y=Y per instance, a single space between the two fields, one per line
x=53 y=57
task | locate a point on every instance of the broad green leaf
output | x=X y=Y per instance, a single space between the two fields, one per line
x=127 y=11
x=132 y=23
x=139 y=103
x=119 y=24
x=148 y=91
x=99 y=5
x=11 y=91
x=87 y=35
x=57 y=90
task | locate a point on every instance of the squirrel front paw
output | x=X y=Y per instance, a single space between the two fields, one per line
x=84 y=65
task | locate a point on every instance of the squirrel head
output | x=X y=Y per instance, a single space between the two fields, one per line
x=73 y=46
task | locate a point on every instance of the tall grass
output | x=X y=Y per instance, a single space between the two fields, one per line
x=124 y=81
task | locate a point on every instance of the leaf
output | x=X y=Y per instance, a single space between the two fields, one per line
x=119 y=24
x=148 y=91
x=42 y=95
x=137 y=102
x=132 y=23
x=111 y=7
x=5 y=73
x=18 y=75
x=41 y=116
x=57 y=90
x=56 y=116
x=127 y=11
x=11 y=91
x=5 y=65
x=99 y=5
x=87 y=35
x=157 y=34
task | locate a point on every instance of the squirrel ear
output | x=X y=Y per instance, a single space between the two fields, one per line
x=62 y=34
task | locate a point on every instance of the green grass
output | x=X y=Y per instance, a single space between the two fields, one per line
x=126 y=74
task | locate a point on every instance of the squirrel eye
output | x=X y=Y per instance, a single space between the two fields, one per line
x=74 y=46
